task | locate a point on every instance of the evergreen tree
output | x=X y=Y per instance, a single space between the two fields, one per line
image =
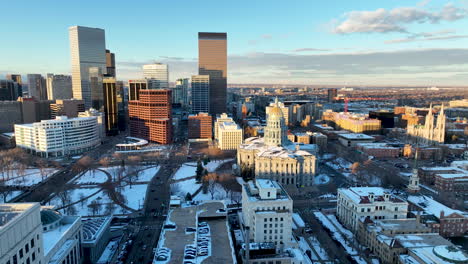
x=188 y=197
x=199 y=171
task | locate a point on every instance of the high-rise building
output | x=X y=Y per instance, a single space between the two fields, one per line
x=331 y=94
x=212 y=61
x=200 y=126
x=9 y=90
x=230 y=136
x=157 y=75
x=110 y=64
x=88 y=49
x=134 y=87
x=17 y=79
x=151 y=116
x=201 y=94
x=95 y=83
x=59 y=87
x=110 y=106
x=219 y=120
x=432 y=132
x=66 y=107
x=37 y=86
x=121 y=106
x=184 y=85
x=267 y=213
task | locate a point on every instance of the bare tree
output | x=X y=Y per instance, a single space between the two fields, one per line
x=42 y=166
x=175 y=189
x=95 y=207
x=64 y=197
x=104 y=162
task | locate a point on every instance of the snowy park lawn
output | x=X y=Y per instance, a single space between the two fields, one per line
x=147 y=174
x=215 y=164
x=92 y=177
x=134 y=195
x=187 y=170
x=30 y=177
x=76 y=195
x=318 y=248
x=321 y=179
x=187 y=186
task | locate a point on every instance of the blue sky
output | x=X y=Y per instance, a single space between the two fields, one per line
x=304 y=42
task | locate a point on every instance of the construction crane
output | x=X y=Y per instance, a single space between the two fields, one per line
x=347 y=99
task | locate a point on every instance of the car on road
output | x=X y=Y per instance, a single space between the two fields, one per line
x=144 y=248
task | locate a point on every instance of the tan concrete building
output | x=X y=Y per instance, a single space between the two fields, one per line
x=230 y=136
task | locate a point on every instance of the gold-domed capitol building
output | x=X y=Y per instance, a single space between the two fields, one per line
x=274 y=157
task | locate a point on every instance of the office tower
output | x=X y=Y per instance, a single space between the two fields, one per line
x=88 y=49
x=212 y=61
x=37 y=86
x=110 y=64
x=10 y=114
x=121 y=106
x=230 y=136
x=201 y=94
x=177 y=95
x=110 y=106
x=59 y=87
x=332 y=93
x=66 y=107
x=9 y=90
x=151 y=116
x=200 y=126
x=16 y=78
x=35 y=110
x=267 y=213
x=134 y=87
x=100 y=120
x=157 y=75
x=184 y=85
x=95 y=83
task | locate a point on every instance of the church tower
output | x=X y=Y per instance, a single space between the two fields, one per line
x=413 y=185
x=275 y=131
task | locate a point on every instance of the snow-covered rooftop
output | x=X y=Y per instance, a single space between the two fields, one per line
x=362 y=194
x=52 y=237
x=356 y=136
x=433 y=207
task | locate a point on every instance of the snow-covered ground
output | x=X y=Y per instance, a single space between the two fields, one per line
x=75 y=195
x=321 y=179
x=318 y=248
x=215 y=164
x=336 y=234
x=30 y=176
x=187 y=170
x=91 y=177
x=134 y=195
x=183 y=187
x=147 y=174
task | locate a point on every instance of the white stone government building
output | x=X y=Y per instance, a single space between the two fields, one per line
x=274 y=157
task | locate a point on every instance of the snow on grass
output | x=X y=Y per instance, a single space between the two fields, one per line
x=348 y=234
x=147 y=174
x=183 y=187
x=134 y=195
x=91 y=177
x=335 y=233
x=298 y=220
x=318 y=248
x=187 y=170
x=321 y=179
x=327 y=196
x=30 y=176
x=76 y=195
x=212 y=166
x=304 y=246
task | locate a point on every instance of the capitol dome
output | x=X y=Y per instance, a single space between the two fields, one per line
x=275 y=111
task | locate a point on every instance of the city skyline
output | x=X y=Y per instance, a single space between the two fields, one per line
x=362 y=43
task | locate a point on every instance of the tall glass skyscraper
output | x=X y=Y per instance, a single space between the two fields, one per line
x=212 y=61
x=88 y=50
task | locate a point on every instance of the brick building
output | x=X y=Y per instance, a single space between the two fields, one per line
x=151 y=117
x=449 y=222
x=200 y=126
x=379 y=150
x=427 y=175
x=457 y=182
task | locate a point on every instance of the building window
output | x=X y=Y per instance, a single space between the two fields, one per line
x=396 y=209
x=21 y=253
x=32 y=243
x=26 y=248
x=395 y=216
x=33 y=256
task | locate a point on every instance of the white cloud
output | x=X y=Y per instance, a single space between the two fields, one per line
x=395 y=20
x=418 y=67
